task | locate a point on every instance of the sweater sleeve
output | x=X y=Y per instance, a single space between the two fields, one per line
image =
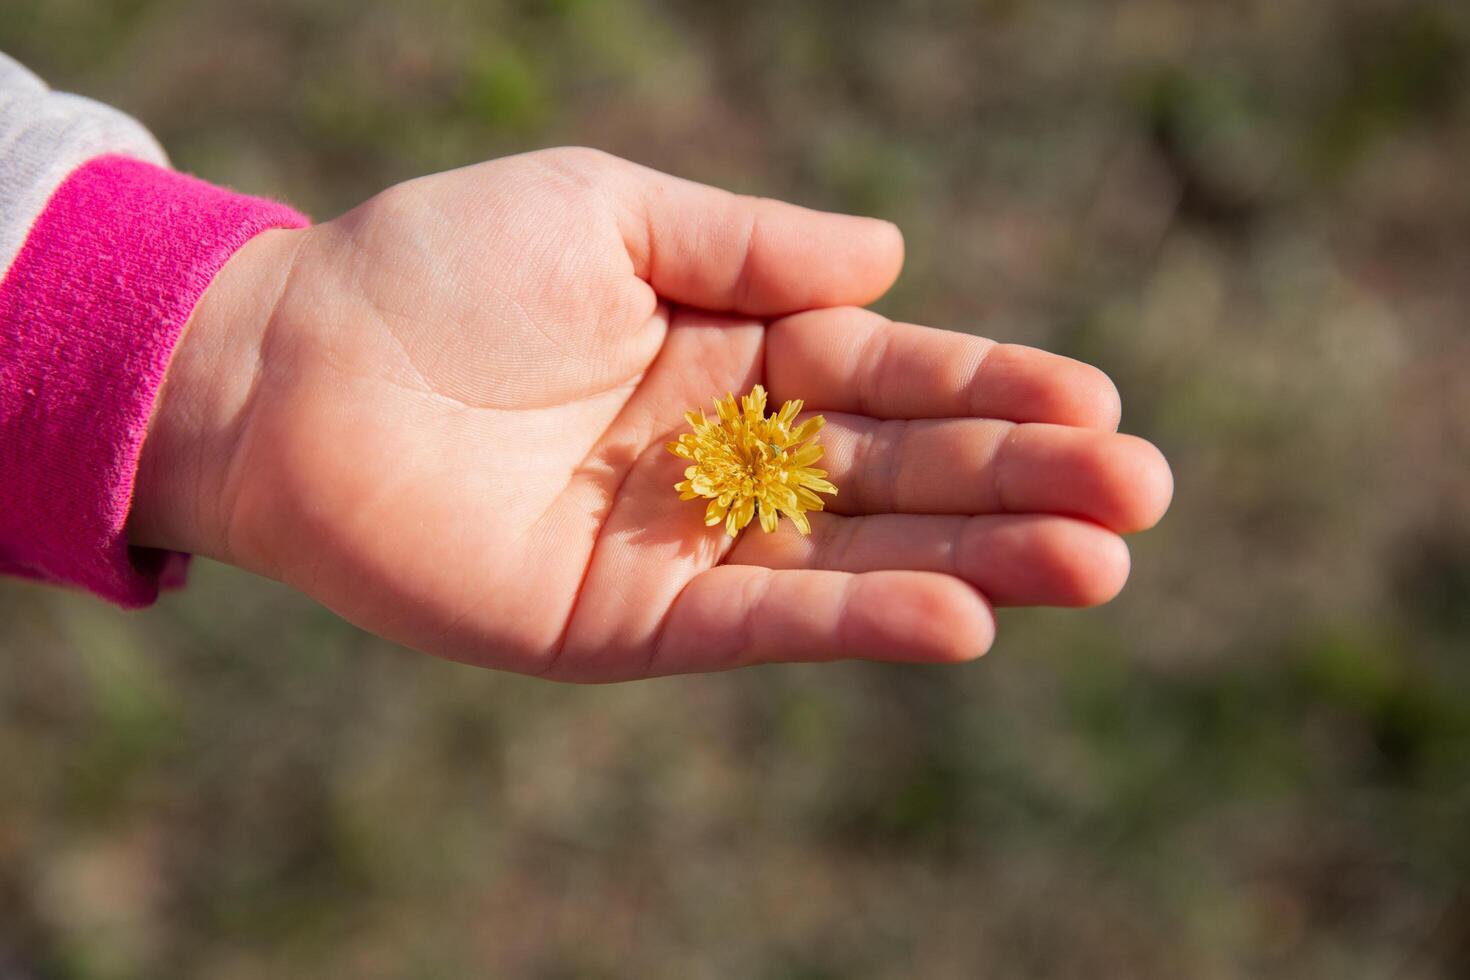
x=104 y=253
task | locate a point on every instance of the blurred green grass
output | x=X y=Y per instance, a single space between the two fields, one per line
x=1255 y=763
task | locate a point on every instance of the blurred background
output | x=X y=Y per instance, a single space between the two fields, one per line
x=1256 y=763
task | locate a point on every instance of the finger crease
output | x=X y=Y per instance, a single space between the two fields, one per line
x=895 y=436
x=977 y=394
x=871 y=368
x=964 y=543
x=843 y=626
x=753 y=596
x=740 y=291
x=838 y=552
x=1004 y=458
x=863 y=463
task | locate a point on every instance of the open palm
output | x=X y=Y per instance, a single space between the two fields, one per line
x=450 y=426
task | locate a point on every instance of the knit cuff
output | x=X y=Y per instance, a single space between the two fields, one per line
x=90 y=313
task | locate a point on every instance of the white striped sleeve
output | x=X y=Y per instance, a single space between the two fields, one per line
x=44 y=136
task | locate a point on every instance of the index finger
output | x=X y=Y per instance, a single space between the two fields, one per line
x=722 y=251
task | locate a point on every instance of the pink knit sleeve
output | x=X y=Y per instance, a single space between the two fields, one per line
x=90 y=312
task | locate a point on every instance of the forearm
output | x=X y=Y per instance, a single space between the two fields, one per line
x=186 y=484
x=44 y=137
x=105 y=254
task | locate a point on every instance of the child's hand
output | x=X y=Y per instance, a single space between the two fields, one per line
x=443 y=415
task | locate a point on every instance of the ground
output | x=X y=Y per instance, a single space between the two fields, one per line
x=1256 y=762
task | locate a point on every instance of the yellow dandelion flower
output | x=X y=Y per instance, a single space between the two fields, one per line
x=746 y=463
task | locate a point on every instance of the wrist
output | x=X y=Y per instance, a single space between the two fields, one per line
x=183 y=495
